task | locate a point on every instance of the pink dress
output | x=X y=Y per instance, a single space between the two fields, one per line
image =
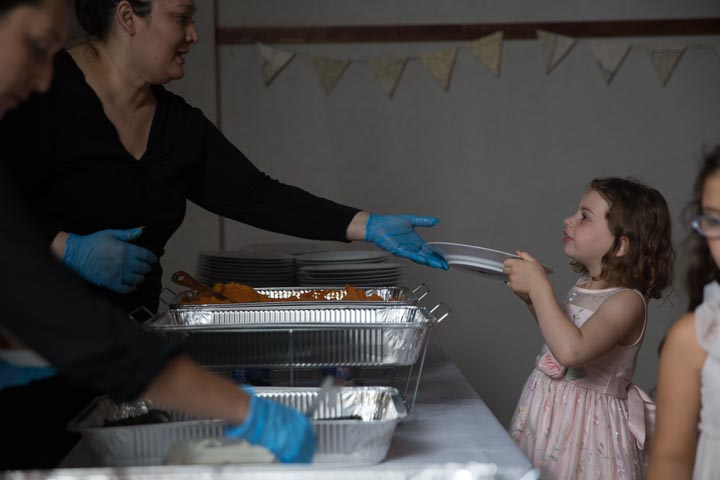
x=588 y=422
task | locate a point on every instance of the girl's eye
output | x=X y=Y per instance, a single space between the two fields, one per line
x=583 y=216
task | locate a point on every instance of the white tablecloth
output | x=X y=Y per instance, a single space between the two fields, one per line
x=449 y=424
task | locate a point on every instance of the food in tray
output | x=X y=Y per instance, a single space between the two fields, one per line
x=148 y=418
x=239 y=293
x=218 y=451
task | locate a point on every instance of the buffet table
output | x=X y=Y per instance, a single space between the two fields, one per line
x=450 y=424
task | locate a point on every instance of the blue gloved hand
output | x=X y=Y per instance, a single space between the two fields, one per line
x=396 y=234
x=106 y=258
x=12 y=375
x=284 y=431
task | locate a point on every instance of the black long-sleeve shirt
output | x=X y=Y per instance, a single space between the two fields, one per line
x=50 y=310
x=79 y=178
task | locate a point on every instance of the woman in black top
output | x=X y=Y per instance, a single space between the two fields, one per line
x=89 y=342
x=114 y=150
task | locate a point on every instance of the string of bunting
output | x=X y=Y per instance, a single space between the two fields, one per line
x=609 y=56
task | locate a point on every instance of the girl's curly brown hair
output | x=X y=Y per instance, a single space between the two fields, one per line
x=701 y=268
x=639 y=213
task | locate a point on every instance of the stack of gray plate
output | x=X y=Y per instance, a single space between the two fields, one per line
x=347 y=267
x=257 y=269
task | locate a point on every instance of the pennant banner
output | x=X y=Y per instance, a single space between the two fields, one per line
x=441 y=64
x=388 y=71
x=273 y=61
x=329 y=71
x=665 y=60
x=554 y=47
x=609 y=56
x=488 y=51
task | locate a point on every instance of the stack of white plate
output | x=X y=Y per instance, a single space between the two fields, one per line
x=347 y=267
x=257 y=269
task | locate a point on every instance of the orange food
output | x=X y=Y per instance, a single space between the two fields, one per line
x=239 y=293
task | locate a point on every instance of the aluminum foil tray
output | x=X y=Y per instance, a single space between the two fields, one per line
x=120 y=446
x=358 y=441
x=302 y=334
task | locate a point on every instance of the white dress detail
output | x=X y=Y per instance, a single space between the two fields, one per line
x=707 y=325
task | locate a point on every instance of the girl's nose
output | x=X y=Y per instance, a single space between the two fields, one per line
x=569 y=222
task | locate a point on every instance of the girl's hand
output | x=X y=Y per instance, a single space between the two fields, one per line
x=524 y=275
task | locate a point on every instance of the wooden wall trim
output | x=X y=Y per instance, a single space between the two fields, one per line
x=463 y=32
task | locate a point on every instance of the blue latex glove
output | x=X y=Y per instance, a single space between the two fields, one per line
x=12 y=375
x=284 y=431
x=108 y=259
x=396 y=234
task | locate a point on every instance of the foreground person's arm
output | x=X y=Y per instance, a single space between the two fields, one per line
x=185 y=386
x=48 y=308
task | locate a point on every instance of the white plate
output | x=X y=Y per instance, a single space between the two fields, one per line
x=473 y=259
x=342 y=256
x=352 y=267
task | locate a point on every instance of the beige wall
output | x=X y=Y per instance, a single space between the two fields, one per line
x=500 y=160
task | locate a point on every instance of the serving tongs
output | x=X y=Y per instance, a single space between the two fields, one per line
x=186 y=280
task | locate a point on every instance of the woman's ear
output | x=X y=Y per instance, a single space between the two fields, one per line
x=623 y=246
x=125 y=17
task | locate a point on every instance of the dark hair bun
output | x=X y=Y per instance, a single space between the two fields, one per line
x=94 y=15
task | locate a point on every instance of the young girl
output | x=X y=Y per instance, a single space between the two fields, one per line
x=688 y=427
x=579 y=416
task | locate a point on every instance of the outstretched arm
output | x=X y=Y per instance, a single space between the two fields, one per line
x=228 y=184
x=616 y=319
x=678 y=403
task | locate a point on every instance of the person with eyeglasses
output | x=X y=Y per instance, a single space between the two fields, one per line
x=52 y=329
x=687 y=437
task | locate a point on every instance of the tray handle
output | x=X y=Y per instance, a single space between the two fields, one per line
x=423 y=292
x=400 y=406
x=444 y=309
x=143 y=309
x=167 y=292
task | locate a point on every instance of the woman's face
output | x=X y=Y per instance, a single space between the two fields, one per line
x=162 y=40
x=30 y=35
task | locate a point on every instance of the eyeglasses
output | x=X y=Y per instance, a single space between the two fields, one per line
x=707 y=225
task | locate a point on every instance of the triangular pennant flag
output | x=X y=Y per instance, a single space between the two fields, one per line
x=665 y=60
x=488 y=50
x=441 y=64
x=329 y=71
x=388 y=70
x=273 y=60
x=554 y=48
x=609 y=56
